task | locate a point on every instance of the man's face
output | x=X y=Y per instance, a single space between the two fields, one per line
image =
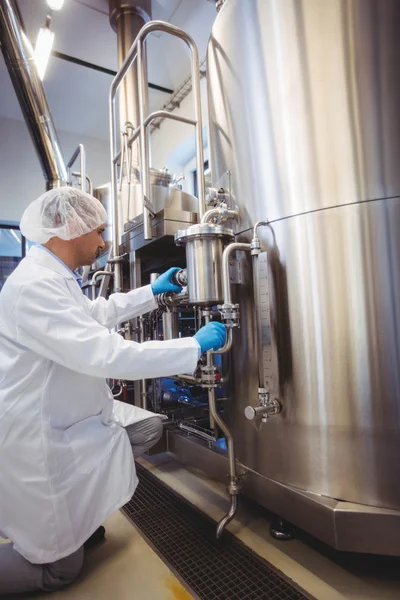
x=89 y=246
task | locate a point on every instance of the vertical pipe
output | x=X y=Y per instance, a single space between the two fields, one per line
x=170 y=324
x=18 y=56
x=144 y=146
x=199 y=128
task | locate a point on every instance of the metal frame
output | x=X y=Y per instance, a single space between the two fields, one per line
x=137 y=52
x=79 y=151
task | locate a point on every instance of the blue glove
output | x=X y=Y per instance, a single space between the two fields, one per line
x=164 y=284
x=211 y=337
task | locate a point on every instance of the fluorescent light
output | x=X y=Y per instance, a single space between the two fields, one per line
x=44 y=44
x=55 y=4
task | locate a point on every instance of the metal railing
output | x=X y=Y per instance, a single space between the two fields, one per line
x=137 y=52
x=80 y=151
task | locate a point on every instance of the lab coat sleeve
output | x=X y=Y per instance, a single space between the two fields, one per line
x=49 y=322
x=122 y=307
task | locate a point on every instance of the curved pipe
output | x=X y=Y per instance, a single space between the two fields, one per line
x=226 y=282
x=233 y=479
x=228 y=517
x=223 y=214
x=228 y=344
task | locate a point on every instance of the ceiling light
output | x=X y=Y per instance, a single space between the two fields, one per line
x=55 y=4
x=44 y=44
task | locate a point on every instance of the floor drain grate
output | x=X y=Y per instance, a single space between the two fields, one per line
x=185 y=538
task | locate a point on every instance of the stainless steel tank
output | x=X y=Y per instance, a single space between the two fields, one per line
x=304 y=107
x=204 y=244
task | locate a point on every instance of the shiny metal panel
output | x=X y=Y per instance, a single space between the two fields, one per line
x=336 y=279
x=343 y=525
x=305 y=132
x=204 y=245
x=303 y=104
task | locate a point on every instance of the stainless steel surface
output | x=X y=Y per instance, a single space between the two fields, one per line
x=127 y=17
x=320 y=127
x=81 y=152
x=170 y=324
x=204 y=244
x=252 y=413
x=219 y=215
x=180 y=278
x=336 y=277
x=345 y=526
x=161 y=197
x=235 y=247
x=18 y=56
x=166 y=223
x=313 y=149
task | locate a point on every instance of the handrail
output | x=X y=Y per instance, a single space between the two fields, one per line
x=137 y=52
x=79 y=151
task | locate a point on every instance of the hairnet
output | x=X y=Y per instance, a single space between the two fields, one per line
x=64 y=212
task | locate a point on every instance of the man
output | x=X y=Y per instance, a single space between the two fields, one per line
x=66 y=447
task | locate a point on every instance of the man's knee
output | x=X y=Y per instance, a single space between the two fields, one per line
x=157 y=429
x=62 y=572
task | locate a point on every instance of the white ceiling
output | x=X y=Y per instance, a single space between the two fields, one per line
x=78 y=95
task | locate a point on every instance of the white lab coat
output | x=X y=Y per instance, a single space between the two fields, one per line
x=65 y=460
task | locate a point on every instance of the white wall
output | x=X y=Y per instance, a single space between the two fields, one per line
x=21 y=178
x=173 y=145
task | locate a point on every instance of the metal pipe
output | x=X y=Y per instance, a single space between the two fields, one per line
x=152 y=117
x=233 y=479
x=94 y=279
x=18 y=56
x=144 y=146
x=226 y=282
x=228 y=344
x=222 y=214
x=143 y=394
x=90 y=185
x=170 y=324
x=127 y=17
x=80 y=151
x=257 y=225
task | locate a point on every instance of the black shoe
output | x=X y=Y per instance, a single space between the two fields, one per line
x=96 y=537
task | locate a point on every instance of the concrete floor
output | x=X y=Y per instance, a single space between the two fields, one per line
x=125 y=567
x=321 y=571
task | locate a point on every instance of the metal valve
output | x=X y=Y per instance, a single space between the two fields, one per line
x=273 y=407
x=180 y=278
x=251 y=412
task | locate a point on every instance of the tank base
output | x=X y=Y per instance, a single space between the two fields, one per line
x=344 y=526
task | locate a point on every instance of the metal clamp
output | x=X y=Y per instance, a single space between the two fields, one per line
x=210 y=376
x=216 y=197
x=230 y=314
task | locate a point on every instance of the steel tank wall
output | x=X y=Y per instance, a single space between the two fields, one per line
x=304 y=100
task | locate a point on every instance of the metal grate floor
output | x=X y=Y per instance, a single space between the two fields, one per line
x=185 y=539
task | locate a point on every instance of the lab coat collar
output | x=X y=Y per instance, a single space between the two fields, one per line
x=51 y=262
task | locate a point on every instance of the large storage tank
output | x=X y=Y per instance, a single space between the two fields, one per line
x=305 y=131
